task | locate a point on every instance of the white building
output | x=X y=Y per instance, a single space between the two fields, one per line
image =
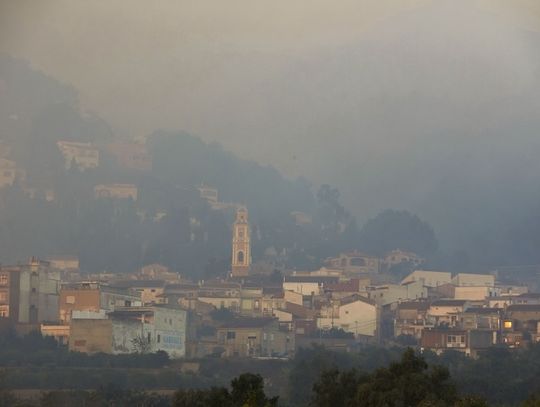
x=83 y=155
x=130 y=330
x=429 y=278
x=354 y=314
x=29 y=292
x=464 y=279
x=446 y=311
x=475 y=293
x=308 y=285
x=390 y=293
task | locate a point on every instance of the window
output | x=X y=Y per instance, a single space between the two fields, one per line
x=508 y=325
x=158 y=338
x=3 y=296
x=3 y=279
x=4 y=310
x=456 y=338
x=240 y=257
x=70 y=299
x=231 y=335
x=149 y=336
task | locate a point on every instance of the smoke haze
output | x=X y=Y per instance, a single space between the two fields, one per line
x=429 y=106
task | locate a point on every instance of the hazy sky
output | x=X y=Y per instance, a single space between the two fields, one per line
x=365 y=94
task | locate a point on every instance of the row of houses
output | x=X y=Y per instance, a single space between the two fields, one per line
x=88 y=316
x=253 y=316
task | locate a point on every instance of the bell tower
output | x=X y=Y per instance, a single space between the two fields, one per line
x=241 y=246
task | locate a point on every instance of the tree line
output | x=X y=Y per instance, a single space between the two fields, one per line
x=407 y=382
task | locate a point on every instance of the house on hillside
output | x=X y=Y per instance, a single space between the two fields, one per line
x=398 y=256
x=355 y=314
x=474 y=280
x=429 y=278
x=469 y=342
x=355 y=263
x=131 y=329
x=116 y=191
x=446 y=312
x=29 y=292
x=255 y=337
x=83 y=155
x=411 y=318
x=93 y=297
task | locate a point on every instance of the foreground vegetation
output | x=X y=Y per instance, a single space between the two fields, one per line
x=316 y=377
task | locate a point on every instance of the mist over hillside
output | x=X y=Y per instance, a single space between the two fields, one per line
x=260 y=203
x=430 y=108
x=434 y=112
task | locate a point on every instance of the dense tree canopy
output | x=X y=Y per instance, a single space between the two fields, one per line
x=247 y=390
x=398 y=230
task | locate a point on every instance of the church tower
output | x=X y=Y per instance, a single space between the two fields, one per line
x=241 y=246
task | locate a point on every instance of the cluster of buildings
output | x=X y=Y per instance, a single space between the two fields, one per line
x=130 y=157
x=86 y=156
x=349 y=301
x=88 y=316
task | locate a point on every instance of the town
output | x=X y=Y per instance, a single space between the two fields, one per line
x=348 y=302
x=263 y=204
